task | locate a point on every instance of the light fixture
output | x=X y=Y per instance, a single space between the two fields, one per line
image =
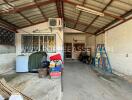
x=88 y=10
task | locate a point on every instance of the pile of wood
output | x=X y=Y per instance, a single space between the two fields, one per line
x=6 y=91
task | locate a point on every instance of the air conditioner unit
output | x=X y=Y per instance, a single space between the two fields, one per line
x=55 y=22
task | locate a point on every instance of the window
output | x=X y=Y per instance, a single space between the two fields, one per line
x=33 y=43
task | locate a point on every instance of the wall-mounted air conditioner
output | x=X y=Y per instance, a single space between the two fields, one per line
x=55 y=22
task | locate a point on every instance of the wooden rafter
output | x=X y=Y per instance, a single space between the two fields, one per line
x=8 y=25
x=77 y=19
x=41 y=11
x=79 y=14
x=81 y=31
x=30 y=6
x=71 y=20
x=62 y=4
x=60 y=9
x=33 y=24
x=57 y=7
x=115 y=25
x=98 y=15
x=19 y=12
x=74 y=21
x=114 y=21
x=25 y=18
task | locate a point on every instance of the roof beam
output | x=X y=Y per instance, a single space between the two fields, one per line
x=30 y=6
x=72 y=20
x=81 y=31
x=79 y=14
x=78 y=22
x=114 y=21
x=115 y=25
x=77 y=19
x=58 y=8
x=62 y=4
x=25 y=18
x=98 y=15
x=107 y=14
x=8 y=25
x=7 y=28
x=19 y=12
x=33 y=24
x=41 y=10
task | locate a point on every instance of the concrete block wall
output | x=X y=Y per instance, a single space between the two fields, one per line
x=7 y=58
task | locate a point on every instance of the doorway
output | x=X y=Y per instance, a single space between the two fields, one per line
x=67 y=50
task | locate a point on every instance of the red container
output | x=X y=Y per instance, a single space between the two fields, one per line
x=55 y=74
x=56 y=57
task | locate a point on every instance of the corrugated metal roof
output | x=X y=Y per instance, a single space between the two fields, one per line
x=24 y=13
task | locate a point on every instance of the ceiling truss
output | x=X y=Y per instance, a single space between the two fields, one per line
x=98 y=15
x=62 y=12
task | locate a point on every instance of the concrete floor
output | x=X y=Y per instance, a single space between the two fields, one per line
x=34 y=87
x=81 y=83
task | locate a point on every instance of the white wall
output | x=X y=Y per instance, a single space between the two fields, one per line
x=43 y=29
x=80 y=37
x=7 y=58
x=69 y=30
x=119 y=45
x=91 y=42
x=100 y=39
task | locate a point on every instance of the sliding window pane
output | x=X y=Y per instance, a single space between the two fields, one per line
x=35 y=43
x=41 y=43
x=27 y=44
x=51 y=44
x=45 y=43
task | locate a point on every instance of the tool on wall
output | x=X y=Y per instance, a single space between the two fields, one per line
x=101 y=59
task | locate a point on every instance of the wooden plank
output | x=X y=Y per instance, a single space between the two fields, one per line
x=9 y=90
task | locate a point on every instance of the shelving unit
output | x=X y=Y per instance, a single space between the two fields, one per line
x=68 y=50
